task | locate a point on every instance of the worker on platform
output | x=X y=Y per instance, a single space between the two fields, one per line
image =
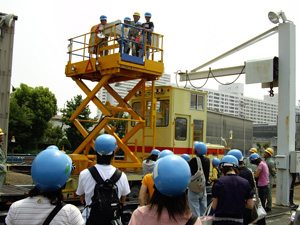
x=147 y=187
x=199 y=164
x=272 y=175
x=216 y=173
x=249 y=165
x=126 y=48
x=148 y=28
x=3 y=166
x=168 y=204
x=99 y=32
x=105 y=146
x=138 y=47
x=50 y=171
x=133 y=33
x=231 y=194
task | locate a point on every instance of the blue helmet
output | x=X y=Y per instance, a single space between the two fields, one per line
x=52 y=147
x=171 y=175
x=229 y=160
x=103 y=17
x=50 y=170
x=200 y=147
x=138 y=23
x=127 y=19
x=215 y=161
x=236 y=153
x=105 y=144
x=165 y=153
x=147 y=14
x=186 y=157
x=155 y=152
x=253 y=157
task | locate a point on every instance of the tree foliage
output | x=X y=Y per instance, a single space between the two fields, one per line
x=74 y=136
x=30 y=111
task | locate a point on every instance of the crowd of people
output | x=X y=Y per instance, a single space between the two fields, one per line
x=173 y=188
x=134 y=34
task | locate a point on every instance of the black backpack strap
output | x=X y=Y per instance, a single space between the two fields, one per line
x=116 y=176
x=95 y=174
x=57 y=208
x=192 y=220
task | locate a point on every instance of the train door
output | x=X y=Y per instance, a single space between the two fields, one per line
x=182 y=134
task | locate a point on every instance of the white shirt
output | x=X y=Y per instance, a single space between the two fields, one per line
x=35 y=210
x=86 y=183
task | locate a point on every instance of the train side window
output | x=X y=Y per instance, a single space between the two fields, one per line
x=162 y=112
x=197 y=101
x=198 y=130
x=180 y=129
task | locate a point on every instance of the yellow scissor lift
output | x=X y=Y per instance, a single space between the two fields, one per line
x=102 y=62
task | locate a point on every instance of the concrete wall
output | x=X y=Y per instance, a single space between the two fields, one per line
x=220 y=124
x=7 y=26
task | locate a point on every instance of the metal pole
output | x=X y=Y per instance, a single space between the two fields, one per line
x=286 y=107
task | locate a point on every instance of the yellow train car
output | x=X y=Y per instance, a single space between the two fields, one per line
x=180 y=117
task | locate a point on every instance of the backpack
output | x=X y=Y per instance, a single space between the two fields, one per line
x=197 y=183
x=106 y=207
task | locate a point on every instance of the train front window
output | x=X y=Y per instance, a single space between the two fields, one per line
x=180 y=129
x=162 y=112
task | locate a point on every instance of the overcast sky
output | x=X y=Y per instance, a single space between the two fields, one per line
x=194 y=33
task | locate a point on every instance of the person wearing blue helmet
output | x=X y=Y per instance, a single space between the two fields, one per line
x=231 y=194
x=125 y=43
x=168 y=204
x=147 y=190
x=243 y=170
x=186 y=157
x=149 y=162
x=50 y=171
x=148 y=28
x=105 y=146
x=216 y=173
x=200 y=166
x=99 y=33
x=164 y=153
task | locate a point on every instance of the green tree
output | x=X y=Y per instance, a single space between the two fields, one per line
x=119 y=125
x=73 y=135
x=52 y=134
x=20 y=125
x=37 y=106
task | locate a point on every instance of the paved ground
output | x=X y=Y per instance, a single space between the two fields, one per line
x=280 y=215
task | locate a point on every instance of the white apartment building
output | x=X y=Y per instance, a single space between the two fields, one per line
x=123 y=87
x=230 y=99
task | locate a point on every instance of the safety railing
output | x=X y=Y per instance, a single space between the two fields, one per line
x=116 y=38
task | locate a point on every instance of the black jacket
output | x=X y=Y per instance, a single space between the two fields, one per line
x=205 y=164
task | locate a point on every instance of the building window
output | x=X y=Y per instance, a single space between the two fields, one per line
x=198 y=130
x=180 y=129
x=197 y=101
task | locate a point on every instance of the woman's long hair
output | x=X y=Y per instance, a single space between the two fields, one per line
x=55 y=197
x=151 y=157
x=174 y=205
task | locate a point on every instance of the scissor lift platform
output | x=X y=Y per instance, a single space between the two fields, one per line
x=103 y=62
